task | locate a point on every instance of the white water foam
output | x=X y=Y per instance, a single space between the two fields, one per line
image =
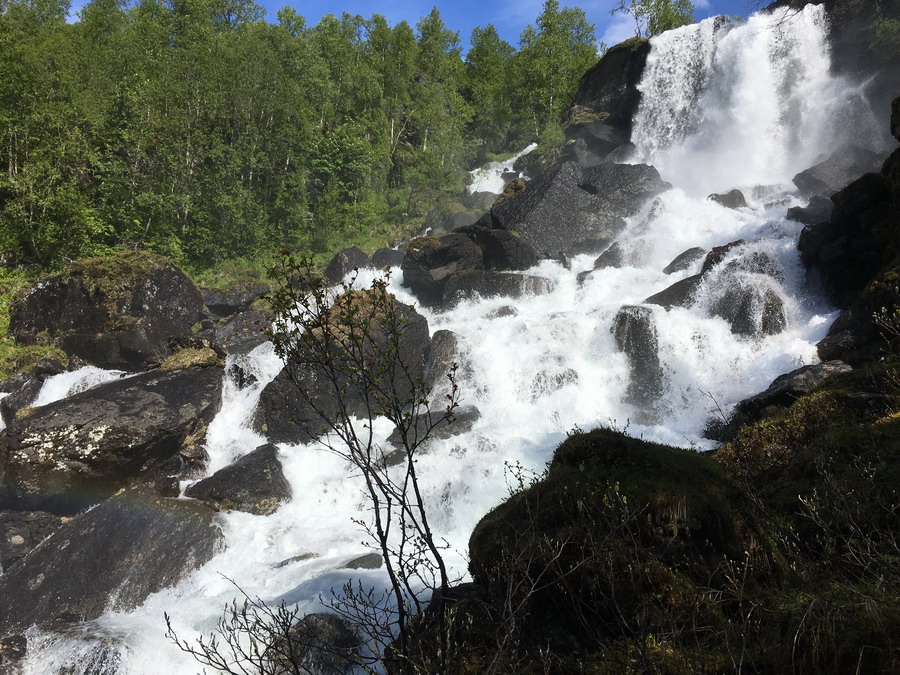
x=535 y=372
x=490 y=178
x=67 y=384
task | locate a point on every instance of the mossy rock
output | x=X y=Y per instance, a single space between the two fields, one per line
x=191 y=358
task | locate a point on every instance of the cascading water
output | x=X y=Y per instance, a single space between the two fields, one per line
x=548 y=363
x=493 y=177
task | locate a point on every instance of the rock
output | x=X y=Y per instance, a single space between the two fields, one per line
x=614 y=256
x=12 y=651
x=755 y=262
x=21 y=531
x=502 y=250
x=818 y=210
x=609 y=91
x=548 y=381
x=466 y=285
x=573 y=210
x=502 y=312
x=243 y=332
x=23 y=389
x=511 y=189
x=389 y=257
x=634 y=331
x=285 y=415
x=895 y=118
x=430 y=262
x=253 y=483
x=679 y=294
x=77 y=451
x=436 y=426
x=718 y=253
x=844 y=165
x=320 y=643
x=191 y=357
x=684 y=260
x=750 y=309
x=848 y=251
x=115 y=312
x=783 y=391
x=233 y=299
x=369 y=561
x=345 y=262
x=733 y=199
x=441 y=359
x=111 y=557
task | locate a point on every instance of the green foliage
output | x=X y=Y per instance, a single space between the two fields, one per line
x=652 y=17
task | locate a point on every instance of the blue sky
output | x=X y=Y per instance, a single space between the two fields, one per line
x=509 y=16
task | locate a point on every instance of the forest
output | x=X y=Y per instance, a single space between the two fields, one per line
x=203 y=131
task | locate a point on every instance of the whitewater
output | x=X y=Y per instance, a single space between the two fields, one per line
x=725 y=105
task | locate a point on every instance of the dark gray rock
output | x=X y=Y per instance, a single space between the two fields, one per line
x=718 y=253
x=441 y=359
x=291 y=406
x=634 y=331
x=369 y=561
x=679 y=294
x=750 y=309
x=895 y=118
x=818 y=210
x=466 y=285
x=345 y=262
x=431 y=261
x=614 y=256
x=253 y=483
x=733 y=199
x=243 y=332
x=21 y=531
x=434 y=425
x=233 y=299
x=117 y=312
x=111 y=557
x=387 y=257
x=684 y=260
x=502 y=250
x=843 y=166
x=320 y=643
x=549 y=380
x=77 y=451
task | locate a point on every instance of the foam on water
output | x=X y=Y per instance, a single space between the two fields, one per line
x=550 y=364
x=490 y=178
x=60 y=386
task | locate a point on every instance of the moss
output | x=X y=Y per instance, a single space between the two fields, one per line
x=191 y=358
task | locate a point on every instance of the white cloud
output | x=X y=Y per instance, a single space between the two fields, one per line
x=621 y=28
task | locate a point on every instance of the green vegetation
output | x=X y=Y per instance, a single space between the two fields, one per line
x=652 y=17
x=197 y=130
x=15 y=358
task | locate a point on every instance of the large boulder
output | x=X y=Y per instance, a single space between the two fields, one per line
x=388 y=257
x=466 y=285
x=442 y=357
x=634 y=331
x=234 y=298
x=430 y=261
x=72 y=453
x=842 y=166
x=679 y=294
x=115 y=312
x=817 y=210
x=684 y=260
x=21 y=531
x=895 y=118
x=22 y=389
x=572 y=210
x=253 y=483
x=242 y=332
x=502 y=250
x=111 y=557
x=751 y=308
x=733 y=199
x=297 y=404
x=344 y=262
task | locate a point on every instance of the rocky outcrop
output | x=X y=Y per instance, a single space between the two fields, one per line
x=733 y=199
x=253 y=483
x=466 y=285
x=751 y=310
x=235 y=298
x=634 y=331
x=684 y=260
x=345 y=262
x=111 y=557
x=430 y=261
x=614 y=256
x=242 y=332
x=115 y=312
x=387 y=257
x=502 y=250
x=679 y=294
x=291 y=407
x=77 y=451
x=842 y=166
x=572 y=210
x=21 y=531
x=816 y=211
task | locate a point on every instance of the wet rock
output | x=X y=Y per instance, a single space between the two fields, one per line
x=466 y=285
x=844 y=165
x=623 y=188
x=12 y=651
x=320 y=643
x=115 y=312
x=679 y=294
x=895 y=118
x=502 y=312
x=345 y=262
x=253 y=483
x=191 y=357
x=755 y=262
x=441 y=359
x=783 y=391
x=23 y=389
x=502 y=250
x=436 y=426
x=233 y=299
x=818 y=210
x=634 y=331
x=243 y=332
x=430 y=262
x=684 y=260
x=548 y=381
x=388 y=257
x=74 y=452
x=111 y=557
x=21 y=531
x=291 y=406
x=751 y=310
x=733 y=199
x=614 y=256
x=718 y=253
x=369 y=561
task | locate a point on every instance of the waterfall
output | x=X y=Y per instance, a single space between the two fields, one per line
x=494 y=176
x=725 y=104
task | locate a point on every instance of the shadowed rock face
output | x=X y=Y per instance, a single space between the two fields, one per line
x=634 y=331
x=113 y=556
x=117 y=312
x=74 y=452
